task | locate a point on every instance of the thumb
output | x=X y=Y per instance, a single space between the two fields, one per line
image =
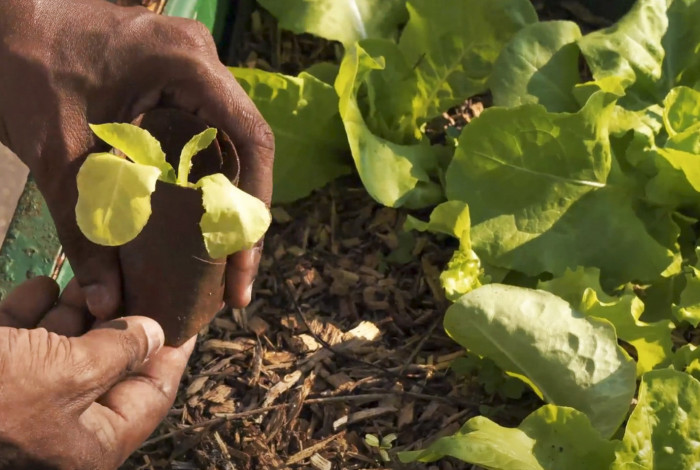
x=103 y=356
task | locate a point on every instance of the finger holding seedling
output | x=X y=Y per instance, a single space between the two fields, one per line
x=138 y=201
x=84 y=401
x=122 y=62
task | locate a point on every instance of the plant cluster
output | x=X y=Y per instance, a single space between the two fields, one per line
x=114 y=192
x=575 y=200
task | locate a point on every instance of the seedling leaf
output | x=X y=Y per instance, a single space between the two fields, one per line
x=114 y=198
x=233 y=219
x=195 y=145
x=137 y=144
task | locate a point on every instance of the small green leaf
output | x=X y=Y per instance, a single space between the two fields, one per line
x=233 y=220
x=195 y=145
x=663 y=431
x=463 y=271
x=114 y=198
x=681 y=110
x=569 y=359
x=137 y=144
x=551 y=438
x=372 y=440
x=388 y=440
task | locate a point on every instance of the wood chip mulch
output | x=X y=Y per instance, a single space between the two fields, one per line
x=343 y=338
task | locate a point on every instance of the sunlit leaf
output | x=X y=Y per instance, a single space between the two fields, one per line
x=195 y=145
x=114 y=198
x=570 y=359
x=551 y=438
x=233 y=219
x=663 y=431
x=137 y=144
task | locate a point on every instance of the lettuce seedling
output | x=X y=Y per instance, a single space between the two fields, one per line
x=114 y=192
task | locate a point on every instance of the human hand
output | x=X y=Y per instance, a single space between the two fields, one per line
x=78 y=402
x=67 y=63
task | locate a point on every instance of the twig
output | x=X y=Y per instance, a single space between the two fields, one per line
x=214 y=422
x=420 y=344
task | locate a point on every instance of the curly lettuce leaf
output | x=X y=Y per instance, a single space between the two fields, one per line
x=539 y=65
x=544 y=195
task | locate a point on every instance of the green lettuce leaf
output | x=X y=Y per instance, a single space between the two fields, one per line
x=648 y=48
x=544 y=194
x=195 y=145
x=463 y=271
x=581 y=288
x=311 y=148
x=346 y=21
x=539 y=65
x=114 y=198
x=393 y=174
x=569 y=359
x=663 y=431
x=233 y=220
x=551 y=438
x=137 y=144
x=687 y=359
x=453 y=47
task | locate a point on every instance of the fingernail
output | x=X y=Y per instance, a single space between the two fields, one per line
x=98 y=300
x=155 y=335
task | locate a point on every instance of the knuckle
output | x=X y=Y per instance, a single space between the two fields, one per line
x=263 y=135
x=194 y=34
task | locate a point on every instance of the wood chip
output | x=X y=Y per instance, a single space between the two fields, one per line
x=320 y=463
x=258 y=326
x=236 y=345
x=362 y=416
x=196 y=385
x=280 y=387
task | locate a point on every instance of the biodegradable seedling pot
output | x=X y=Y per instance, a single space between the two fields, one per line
x=167 y=273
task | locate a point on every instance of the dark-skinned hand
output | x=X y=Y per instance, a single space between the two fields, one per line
x=75 y=398
x=67 y=63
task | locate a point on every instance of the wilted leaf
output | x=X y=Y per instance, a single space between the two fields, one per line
x=114 y=198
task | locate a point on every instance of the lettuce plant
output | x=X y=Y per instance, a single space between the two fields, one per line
x=114 y=192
